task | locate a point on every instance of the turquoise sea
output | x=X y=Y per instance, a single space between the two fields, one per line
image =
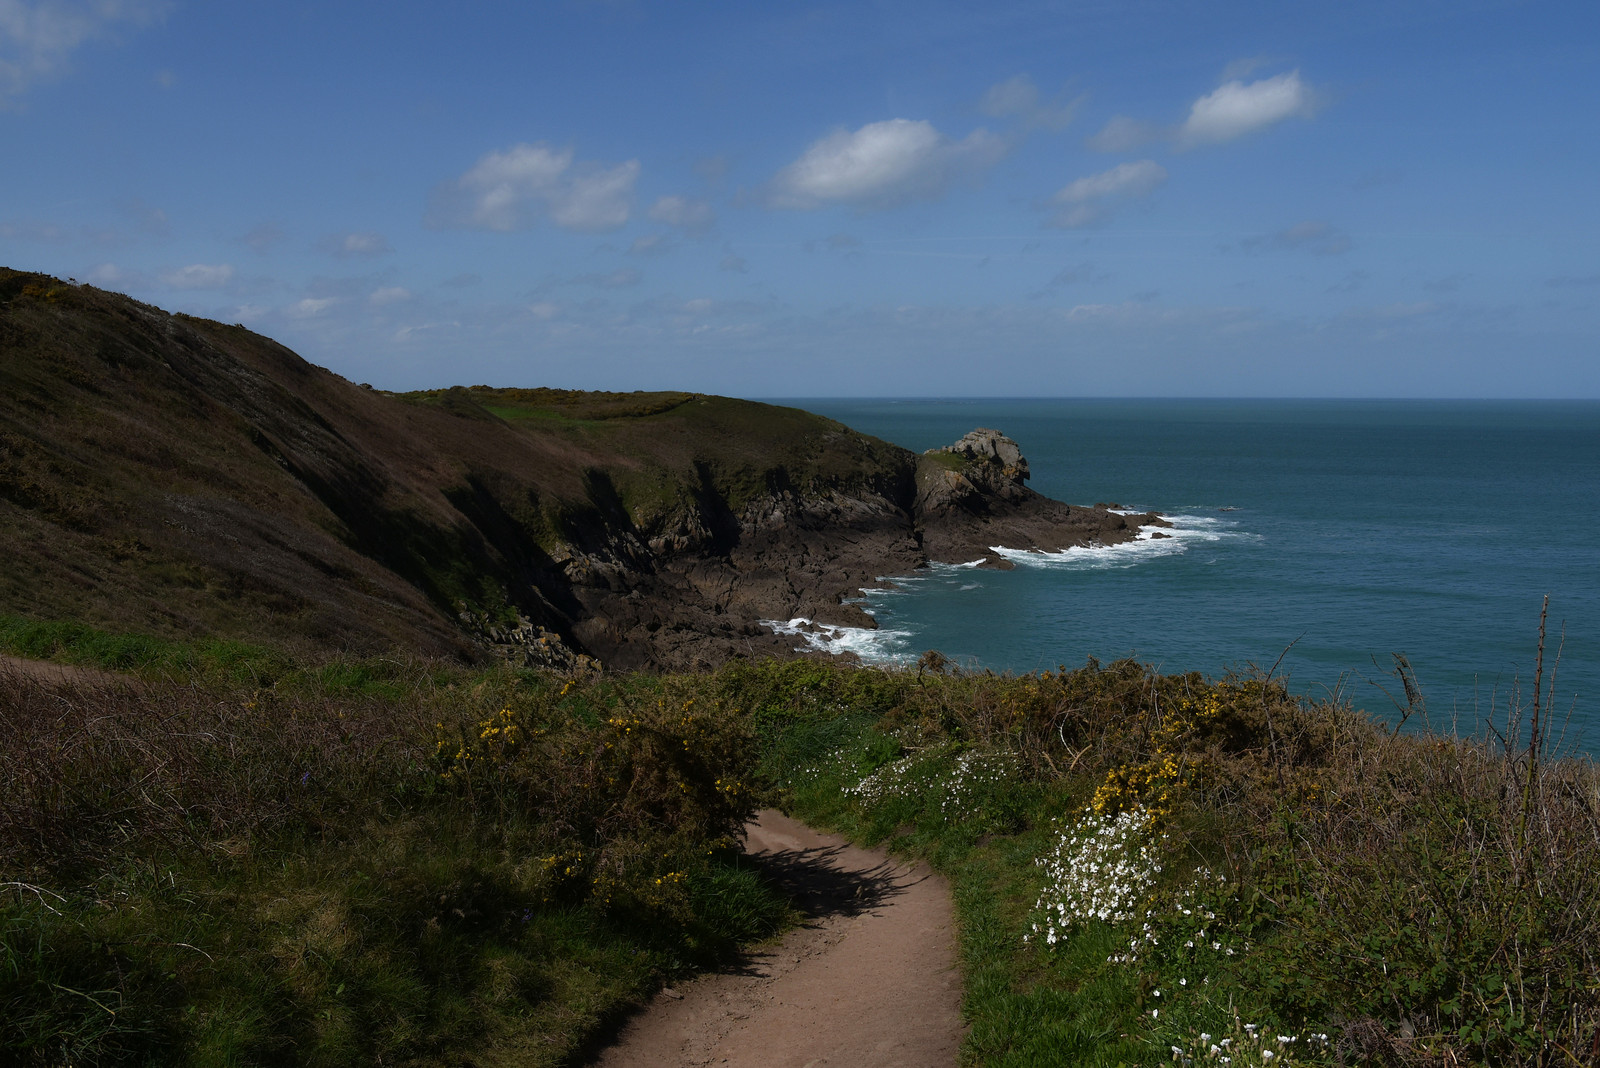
x=1328 y=533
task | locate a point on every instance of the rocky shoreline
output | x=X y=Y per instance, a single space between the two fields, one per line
x=690 y=601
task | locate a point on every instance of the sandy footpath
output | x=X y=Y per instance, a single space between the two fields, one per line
x=869 y=979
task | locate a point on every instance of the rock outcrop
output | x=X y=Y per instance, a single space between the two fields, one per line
x=972 y=498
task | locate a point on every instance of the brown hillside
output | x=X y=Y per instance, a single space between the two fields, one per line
x=164 y=473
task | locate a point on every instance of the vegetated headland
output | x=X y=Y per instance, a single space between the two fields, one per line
x=423 y=727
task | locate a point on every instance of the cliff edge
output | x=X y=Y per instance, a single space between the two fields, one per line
x=169 y=474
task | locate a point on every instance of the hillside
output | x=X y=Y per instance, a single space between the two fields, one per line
x=171 y=474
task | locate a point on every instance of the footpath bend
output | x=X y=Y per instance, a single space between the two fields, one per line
x=869 y=978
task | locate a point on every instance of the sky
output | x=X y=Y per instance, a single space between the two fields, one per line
x=868 y=198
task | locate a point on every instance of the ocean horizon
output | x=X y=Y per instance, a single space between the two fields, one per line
x=1313 y=538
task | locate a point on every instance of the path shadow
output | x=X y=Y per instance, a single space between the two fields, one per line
x=821 y=889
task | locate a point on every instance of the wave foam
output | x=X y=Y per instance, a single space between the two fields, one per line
x=1152 y=543
x=879 y=646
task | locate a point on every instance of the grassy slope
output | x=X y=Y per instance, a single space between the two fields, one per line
x=1415 y=899
x=188 y=478
x=360 y=863
x=669 y=453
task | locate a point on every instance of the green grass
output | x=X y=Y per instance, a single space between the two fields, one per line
x=347 y=860
x=78 y=644
x=1418 y=897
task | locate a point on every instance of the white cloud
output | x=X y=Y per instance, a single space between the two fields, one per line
x=38 y=38
x=511 y=190
x=353 y=245
x=389 y=295
x=1123 y=134
x=1235 y=109
x=199 y=276
x=310 y=307
x=545 y=309
x=1082 y=202
x=695 y=216
x=882 y=164
x=651 y=245
x=1018 y=98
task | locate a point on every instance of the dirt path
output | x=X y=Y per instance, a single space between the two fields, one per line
x=46 y=671
x=869 y=979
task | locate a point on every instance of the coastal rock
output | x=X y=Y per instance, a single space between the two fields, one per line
x=991 y=446
x=971 y=499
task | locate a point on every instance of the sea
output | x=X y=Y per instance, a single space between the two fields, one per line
x=1314 y=539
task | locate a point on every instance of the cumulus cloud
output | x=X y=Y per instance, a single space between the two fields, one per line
x=1236 y=108
x=1310 y=236
x=356 y=245
x=38 y=37
x=881 y=165
x=199 y=276
x=310 y=307
x=1087 y=200
x=1123 y=134
x=651 y=245
x=512 y=190
x=686 y=213
x=1018 y=98
x=1232 y=110
x=389 y=295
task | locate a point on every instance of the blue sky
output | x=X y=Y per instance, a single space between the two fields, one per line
x=867 y=198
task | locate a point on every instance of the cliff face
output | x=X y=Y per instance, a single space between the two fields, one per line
x=165 y=473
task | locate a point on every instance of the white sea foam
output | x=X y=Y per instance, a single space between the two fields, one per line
x=1151 y=543
x=882 y=646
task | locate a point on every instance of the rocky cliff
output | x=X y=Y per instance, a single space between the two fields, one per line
x=165 y=473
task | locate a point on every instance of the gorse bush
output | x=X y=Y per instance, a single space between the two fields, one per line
x=1243 y=862
x=488 y=865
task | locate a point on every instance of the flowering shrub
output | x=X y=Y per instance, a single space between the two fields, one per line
x=978 y=776
x=1246 y=1043
x=890 y=781
x=1100 y=869
x=1184 y=934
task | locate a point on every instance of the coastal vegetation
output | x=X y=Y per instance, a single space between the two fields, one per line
x=239 y=857
x=326 y=769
